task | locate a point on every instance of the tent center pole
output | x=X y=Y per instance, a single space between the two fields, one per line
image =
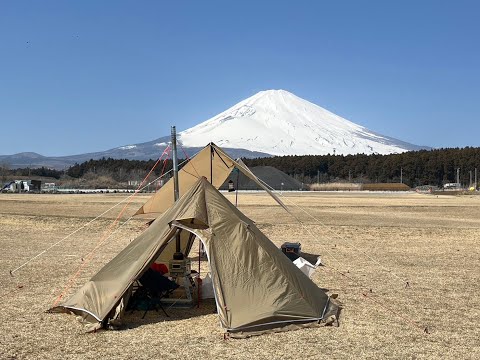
x=176 y=193
x=211 y=164
x=199 y=295
x=175 y=164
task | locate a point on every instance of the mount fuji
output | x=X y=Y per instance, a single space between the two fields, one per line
x=278 y=122
x=272 y=122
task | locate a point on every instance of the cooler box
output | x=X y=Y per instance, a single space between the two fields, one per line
x=291 y=250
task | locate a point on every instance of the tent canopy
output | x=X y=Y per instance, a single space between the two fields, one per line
x=257 y=288
x=213 y=164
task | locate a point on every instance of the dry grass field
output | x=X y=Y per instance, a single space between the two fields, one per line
x=371 y=244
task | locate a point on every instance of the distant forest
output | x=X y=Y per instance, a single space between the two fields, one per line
x=425 y=167
x=26 y=172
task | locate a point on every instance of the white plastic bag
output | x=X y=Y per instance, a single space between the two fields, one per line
x=207 y=287
x=306 y=267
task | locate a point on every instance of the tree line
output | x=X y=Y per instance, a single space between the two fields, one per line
x=26 y=172
x=120 y=170
x=414 y=168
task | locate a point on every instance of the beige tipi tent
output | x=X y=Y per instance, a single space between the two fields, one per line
x=257 y=289
x=212 y=163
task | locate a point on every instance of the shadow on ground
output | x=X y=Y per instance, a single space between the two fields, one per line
x=134 y=319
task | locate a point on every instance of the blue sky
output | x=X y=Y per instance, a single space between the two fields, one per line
x=82 y=76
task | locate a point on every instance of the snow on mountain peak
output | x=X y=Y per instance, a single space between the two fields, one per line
x=127 y=147
x=278 y=122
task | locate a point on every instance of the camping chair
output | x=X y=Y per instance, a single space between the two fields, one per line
x=151 y=287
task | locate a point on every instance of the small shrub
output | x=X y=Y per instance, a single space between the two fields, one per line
x=385 y=187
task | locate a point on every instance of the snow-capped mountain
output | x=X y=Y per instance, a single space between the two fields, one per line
x=272 y=122
x=278 y=122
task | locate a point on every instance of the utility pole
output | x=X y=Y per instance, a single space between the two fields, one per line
x=458 y=176
x=236 y=188
x=318 y=176
x=401 y=175
x=470 y=185
x=475 y=179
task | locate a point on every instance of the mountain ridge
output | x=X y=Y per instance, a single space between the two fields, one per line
x=269 y=123
x=280 y=123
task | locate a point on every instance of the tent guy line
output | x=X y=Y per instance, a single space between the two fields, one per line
x=65 y=238
x=389 y=271
x=71 y=256
x=188 y=158
x=93 y=220
x=357 y=282
x=408 y=320
x=86 y=261
x=107 y=233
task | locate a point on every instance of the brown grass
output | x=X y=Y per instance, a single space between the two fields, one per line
x=385 y=187
x=338 y=186
x=430 y=241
